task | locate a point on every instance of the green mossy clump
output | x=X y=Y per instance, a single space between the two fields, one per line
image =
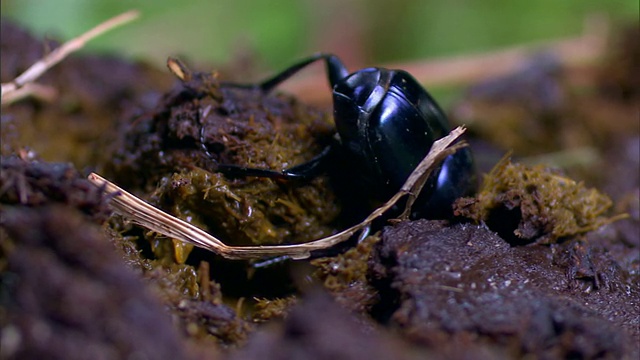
x=345 y=276
x=343 y=271
x=267 y=309
x=250 y=210
x=535 y=204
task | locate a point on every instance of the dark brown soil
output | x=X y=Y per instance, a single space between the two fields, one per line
x=65 y=293
x=93 y=93
x=464 y=284
x=320 y=329
x=79 y=283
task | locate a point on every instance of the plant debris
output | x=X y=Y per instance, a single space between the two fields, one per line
x=13 y=90
x=345 y=276
x=527 y=205
x=80 y=124
x=166 y=224
x=267 y=309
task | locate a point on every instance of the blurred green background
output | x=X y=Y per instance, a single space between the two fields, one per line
x=279 y=31
x=273 y=34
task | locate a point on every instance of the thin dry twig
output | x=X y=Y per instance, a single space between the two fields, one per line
x=163 y=223
x=41 y=66
x=38 y=91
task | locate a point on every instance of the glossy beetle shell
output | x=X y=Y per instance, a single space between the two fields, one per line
x=388 y=122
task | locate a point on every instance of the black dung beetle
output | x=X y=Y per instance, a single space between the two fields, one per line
x=386 y=123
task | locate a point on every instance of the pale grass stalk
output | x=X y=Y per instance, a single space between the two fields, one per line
x=41 y=66
x=152 y=218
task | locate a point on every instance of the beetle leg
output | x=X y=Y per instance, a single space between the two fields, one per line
x=311 y=168
x=270 y=262
x=364 y=233
x=232 y=170
x=335 y=69
x=336 y=72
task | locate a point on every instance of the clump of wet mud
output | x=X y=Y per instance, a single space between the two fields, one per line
x=176 y=149
x=416 y=289
x=462 y=284
x=65 y=292
x=34 y=183
x=319 y=329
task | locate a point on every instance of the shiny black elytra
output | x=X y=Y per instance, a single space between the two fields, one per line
x=386 y=124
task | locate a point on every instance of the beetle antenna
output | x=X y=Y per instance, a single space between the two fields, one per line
x=336 y=70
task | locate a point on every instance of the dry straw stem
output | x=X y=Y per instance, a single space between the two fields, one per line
x=168 y=225
x=11 y=90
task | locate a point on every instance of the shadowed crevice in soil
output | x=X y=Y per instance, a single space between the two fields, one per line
x=319 y=328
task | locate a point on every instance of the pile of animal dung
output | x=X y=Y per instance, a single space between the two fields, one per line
x=544 y=262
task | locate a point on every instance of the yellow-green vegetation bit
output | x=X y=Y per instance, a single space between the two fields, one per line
x=345 y=276
x=551 y=207
x=267 y=309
